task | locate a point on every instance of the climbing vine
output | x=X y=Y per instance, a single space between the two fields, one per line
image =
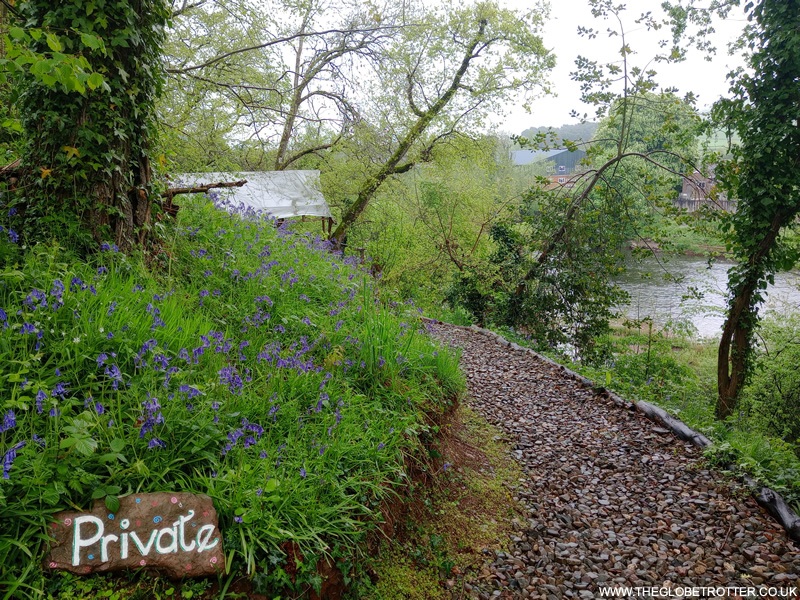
x=87 y=174
x=763 y=175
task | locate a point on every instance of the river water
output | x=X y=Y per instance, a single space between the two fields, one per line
x=689 y=294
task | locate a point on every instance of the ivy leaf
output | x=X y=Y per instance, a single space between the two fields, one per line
x=71 y=151
x=46 y=172
x=17 y=33
x=54 y=43
x=13 y=125
x=91 y=41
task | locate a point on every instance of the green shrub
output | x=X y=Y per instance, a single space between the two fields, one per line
x=771 y=399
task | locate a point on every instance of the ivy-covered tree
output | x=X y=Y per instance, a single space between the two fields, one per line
x=86 y=166
x=764 y=176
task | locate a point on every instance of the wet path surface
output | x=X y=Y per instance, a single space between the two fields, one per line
x=610 y=498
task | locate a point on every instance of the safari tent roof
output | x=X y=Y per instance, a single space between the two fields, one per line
x=279 y=193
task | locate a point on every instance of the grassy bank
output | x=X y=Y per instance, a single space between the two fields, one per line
x=456 y=520
x=246 y=363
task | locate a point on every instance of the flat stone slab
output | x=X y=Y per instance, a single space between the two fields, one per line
x=174 y=533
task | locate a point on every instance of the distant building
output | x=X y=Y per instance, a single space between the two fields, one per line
x=559 y=161
x=700 y=190
x=563 y=168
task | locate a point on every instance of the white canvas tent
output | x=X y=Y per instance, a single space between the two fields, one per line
x=280 y=193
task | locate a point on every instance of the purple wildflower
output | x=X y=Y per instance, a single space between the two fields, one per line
x=9 y=421
x=9 y=457
x=230 y=376
x=41 y=396
x=114 y=374
x=59 y=391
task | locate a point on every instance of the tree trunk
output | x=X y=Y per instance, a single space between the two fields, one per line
x=391 y=166
x=735 y=344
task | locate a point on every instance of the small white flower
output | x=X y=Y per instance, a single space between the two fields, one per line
x=102 y=330
x=76 y=340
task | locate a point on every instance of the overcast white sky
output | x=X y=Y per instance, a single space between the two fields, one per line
x=706 y=80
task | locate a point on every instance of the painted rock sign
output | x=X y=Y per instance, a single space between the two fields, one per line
x=174 y=533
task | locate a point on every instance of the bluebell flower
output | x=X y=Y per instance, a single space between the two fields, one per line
x=151 y=416
x=4 y=318
x=13 y=236
x=59 y=391
x=35 y=299
x=8 y=459
x=156 y=443
x=9 y=421
x=230 y=376
x=101 y=359
x=111 y=308
x=57 y=292
x=191 y=392
x=302 y=472
x=99 y=408
x=41 y=396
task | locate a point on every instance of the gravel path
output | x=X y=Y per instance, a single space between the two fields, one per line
x=610 y=498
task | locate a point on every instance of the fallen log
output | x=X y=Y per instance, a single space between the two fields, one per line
x=199 y=189
x=172 y=209
x=774 y=503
